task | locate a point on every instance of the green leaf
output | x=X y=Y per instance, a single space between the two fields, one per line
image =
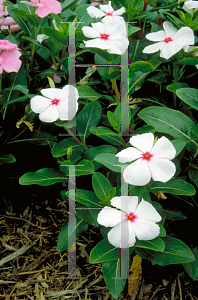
x=13 y=13
x=178 y=145
x=173 y=214
x=111 y=162
x=86 y=92
x=107 y=56
x=175 y=86
x=193 y=175
x=85 y=197
x=175 y=187
x=145 y=129
x=123 y=114
x=175 y=252
x=101 y=185
x=66 y=4
x=90 y=216
x=189 y=96
x=104 y=251
x=21 y=88
x=82 y=15
x=135 y=6
x=111 y=269
x=107 y=135
x=64 y=236
x=192 y=267
x=55 y=35
x=137 y=72
x=43 y=177
x=6 y=158
x=113 y=120
x=156 y=244
x=189 y=61
x=84 y=167
x=169 y=121
x=132 y=29
x=88 y=117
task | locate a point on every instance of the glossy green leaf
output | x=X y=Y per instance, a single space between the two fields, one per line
x=101 y=185
x=84 y=167
x=123 y=114
x=173 y=214
x=6 y=158
x=90 y=216
x=61 y=148
x=113 y=120
x=43 y=177
x=137 y=73
x=179 y=145
x=55 y=35
x=174 y=186
x=108 y=135
x=175 y=86
x=86 y=92
x=66 y=237
x=189 y=96
x=86 y=198
x=169 y=121
x=192 y=267
x=193 y=175
x=156 y=244
x=111 y=162
x=88 y=117
x=104 y=251
x=111 y=270
x=135 y=6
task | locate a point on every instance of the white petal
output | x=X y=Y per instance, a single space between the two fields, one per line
x=67 y=110
x=122 y=235
x=153 y=48
x=146 y=230
x=39 y=103
x=106 y=7
x=161 y=169
x=156 y=36
x=125 y=203
x=110 y=217
x=146 y=211
x=49 y=115
x=41 y=37
x=163 y=148
x=90 y=32
x=128 y=154
x=170 y=49
x=97 y=43
x=51 y=93
x=69 y=92
x=185 y=36
x=169 y=29
x=191 y=4
x=144 y=141
x=117 y=46
x=95 y=12
x=137 y=173
x=119 y=12
x=115 y=26
x=100 y=27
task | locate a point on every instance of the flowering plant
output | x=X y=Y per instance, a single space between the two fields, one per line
x=91 y=107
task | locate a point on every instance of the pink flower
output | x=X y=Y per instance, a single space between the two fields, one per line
x=6 y=45
x=9 y=61
x=8 y=21
x=45 y=7
x=129 y=220
x=3 y=9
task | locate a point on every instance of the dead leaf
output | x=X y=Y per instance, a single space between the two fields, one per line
x=135 y=274
x=161 y=195
x=165 y=282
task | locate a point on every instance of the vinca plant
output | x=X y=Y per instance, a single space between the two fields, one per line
x=114 y=85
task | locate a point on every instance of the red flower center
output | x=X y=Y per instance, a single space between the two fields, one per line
x=104 y=36
x=147 y=156
x=167 y=40
x=131 y=217
x=55 y=101
x=109 y=14
x=194 y=54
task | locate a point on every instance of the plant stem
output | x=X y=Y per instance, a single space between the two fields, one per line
x=114 y=84
x=76 y=139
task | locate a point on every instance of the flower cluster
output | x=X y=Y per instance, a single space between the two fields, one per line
x=136 y=220
x=109 y=34
x=9 y=57
x=170 y=40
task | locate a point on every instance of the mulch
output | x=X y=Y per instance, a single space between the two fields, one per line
x=31 y=267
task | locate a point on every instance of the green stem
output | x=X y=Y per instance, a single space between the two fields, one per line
x=115 y=87
x=76 y=139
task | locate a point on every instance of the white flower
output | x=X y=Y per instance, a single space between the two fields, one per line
x=150 y=160
x=105 y=11
x=190 y=6
x=131 y=221
x=41 y=37
x=195 y=54
x=110 y=35
x=56 y=104
x=170 y=40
